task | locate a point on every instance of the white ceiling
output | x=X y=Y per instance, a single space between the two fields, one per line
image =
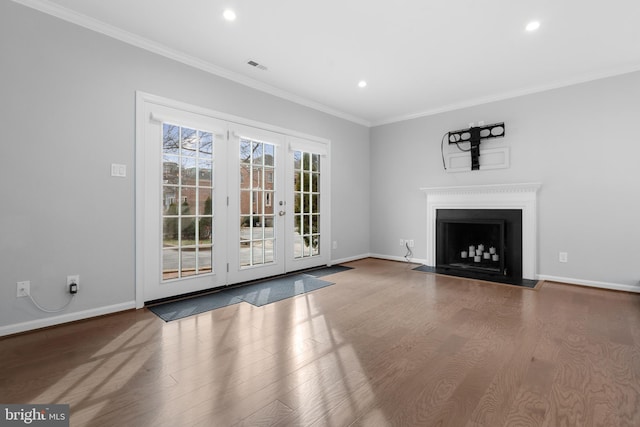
x=419 y=57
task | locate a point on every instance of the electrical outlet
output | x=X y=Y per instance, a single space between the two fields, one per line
x=563 y=257
x=401 y=242
x=73 y=279
x=411 y=243
x=23 y=289
x=335 y=245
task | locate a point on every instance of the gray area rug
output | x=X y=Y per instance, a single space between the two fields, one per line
x=325 y=271
x=258 y=294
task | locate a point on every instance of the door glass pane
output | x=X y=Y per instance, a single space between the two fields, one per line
x=205 y=173
x=189 y=142
x=306 y=187
x=257 y=176
x=298 y=244
x=170 y=263
x=268 y=227
x=269 y=154
x=171 y=139
x=269 y=254
x=204 y=230
x=170 y=231
x=187 y=202
x=245 y=254
x=188 y=262
x=205 y=203
x=205 y=259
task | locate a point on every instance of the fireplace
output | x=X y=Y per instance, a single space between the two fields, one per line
x=486 y=201
x=481 y=243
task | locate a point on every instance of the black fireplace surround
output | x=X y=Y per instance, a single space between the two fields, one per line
x=495 y=235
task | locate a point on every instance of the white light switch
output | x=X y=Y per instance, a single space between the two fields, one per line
x=118 y=170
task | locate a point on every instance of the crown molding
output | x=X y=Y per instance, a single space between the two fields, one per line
x=92 y=24
x=585 y=78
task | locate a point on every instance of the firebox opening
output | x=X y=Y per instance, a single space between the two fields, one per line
x=473 y=245
x=479 y=243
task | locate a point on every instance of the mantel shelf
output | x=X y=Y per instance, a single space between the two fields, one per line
x=484 y=189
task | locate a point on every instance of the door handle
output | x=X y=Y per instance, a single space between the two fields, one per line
x=281 y=213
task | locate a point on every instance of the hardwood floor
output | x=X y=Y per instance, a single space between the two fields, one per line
x=383 y=346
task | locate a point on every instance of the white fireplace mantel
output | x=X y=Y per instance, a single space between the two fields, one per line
x=495 y=196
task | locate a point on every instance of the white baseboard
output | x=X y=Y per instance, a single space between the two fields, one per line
x=591 y=283
x=568 y=280
x=100 y=311
x=399 y=258
x=64 y=318
x=349 y=259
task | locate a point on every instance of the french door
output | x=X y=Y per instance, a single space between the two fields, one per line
x=257 y=205
x=180 y=228
x=278 y=204
x=220 y=202
x=308 y=204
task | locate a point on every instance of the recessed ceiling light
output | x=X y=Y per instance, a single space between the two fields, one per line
x=362 y=83
x=229 y=15
x=533 y=25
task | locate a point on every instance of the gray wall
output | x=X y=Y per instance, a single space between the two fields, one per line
x=67 y=113
x=581 y=142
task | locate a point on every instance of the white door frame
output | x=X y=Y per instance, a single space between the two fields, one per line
x=143 y=101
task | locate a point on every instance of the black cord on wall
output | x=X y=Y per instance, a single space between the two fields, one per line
x=409 y=254
x=444 y=164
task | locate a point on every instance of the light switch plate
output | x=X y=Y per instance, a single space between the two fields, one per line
x=118 y=170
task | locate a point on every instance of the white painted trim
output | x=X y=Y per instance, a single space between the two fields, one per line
x=31 y=325
x=300 y=144
x=349 y=259
x=494 y=196
x=92 y=24
x=399 y=258
x=487 y=188
x=508 y=95
x=591 y=283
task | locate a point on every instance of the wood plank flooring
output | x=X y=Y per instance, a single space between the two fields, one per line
x=384 y=346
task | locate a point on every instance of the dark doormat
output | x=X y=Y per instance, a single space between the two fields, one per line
x=526 y=283
x=258 y=294
x=325 y=271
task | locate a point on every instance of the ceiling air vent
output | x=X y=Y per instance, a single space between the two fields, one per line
x=258 y=66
